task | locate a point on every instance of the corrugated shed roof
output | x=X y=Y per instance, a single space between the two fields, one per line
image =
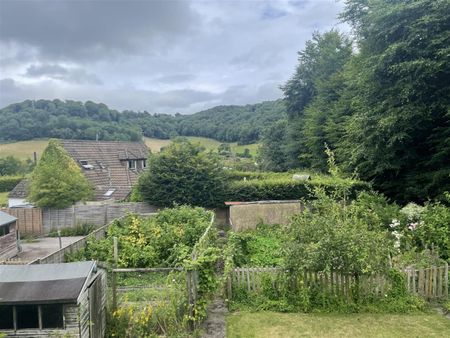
x=6 y=219
x=46 y=283
x=109 y=164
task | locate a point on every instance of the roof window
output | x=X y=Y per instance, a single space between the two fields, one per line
x=109 y=192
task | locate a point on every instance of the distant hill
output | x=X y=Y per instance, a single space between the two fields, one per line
x=76 y=120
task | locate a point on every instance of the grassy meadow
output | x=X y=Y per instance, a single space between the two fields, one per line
x=3 y=199
x=25 y=149
x=293 y=325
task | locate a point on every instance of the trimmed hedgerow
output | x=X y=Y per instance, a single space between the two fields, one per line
x=287 y=188
x=7 y=183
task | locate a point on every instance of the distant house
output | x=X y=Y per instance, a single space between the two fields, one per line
x=53 y=300
x=112 y=167
x=17 y=198
x=8 y=236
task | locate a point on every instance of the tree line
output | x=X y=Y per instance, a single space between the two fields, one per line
x=380 y=99
x=89 y=121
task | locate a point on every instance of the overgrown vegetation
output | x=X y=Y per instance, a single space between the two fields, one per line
x=263 y=247
x=157 y=305
x=163 y=240
x=79 y=230
x=361 y=238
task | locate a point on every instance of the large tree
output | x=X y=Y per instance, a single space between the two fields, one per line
x=57 y=181
x=315 y=83
x=183 y=174
x=399 y=132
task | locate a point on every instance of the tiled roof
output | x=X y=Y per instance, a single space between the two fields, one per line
x=109 y=171
x=20 y=190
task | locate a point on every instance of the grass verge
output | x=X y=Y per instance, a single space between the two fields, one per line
x=292 y=325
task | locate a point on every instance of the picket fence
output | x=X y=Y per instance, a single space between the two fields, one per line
x=431 y=283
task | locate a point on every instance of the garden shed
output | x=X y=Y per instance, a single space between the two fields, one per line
x=8 y=236
x=48 y=300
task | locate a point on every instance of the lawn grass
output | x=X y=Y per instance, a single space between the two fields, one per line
x=292 y=325
x=3 y=199
x=23 y=149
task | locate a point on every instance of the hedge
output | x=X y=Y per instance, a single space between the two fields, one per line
x=7 y=183
x=287 y=189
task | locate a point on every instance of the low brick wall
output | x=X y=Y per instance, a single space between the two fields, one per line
x=247 y=215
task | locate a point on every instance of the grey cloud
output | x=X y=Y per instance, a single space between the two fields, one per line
x=58 y=72
x=71 y=29
x=159 y=56
x=175 y=78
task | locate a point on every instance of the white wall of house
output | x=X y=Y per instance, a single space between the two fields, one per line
x=18 y=202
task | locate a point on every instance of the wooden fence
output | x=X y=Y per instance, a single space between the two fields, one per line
x=96 y=213
x=29 y=220
x=431 y=283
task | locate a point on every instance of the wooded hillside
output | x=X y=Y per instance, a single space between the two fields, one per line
x=77 y=120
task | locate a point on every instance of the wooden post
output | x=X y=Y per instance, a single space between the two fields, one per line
x=59 y=239
x=229 y=288
x=446 y=281
x=190 y=299
x=113 y=280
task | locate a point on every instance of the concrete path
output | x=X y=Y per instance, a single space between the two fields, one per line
x=215 y=325
x=41 y=247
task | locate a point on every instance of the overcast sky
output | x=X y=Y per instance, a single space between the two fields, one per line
x=158 y=56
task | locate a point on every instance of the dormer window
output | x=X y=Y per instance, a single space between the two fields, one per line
x=131 y=164
x=84 y=162
x=144 y=163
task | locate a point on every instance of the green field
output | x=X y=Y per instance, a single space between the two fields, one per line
x=25 y=149
x=3 y=199
x=209 y=144
x=293 y=325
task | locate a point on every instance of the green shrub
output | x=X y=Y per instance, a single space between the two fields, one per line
x=80 y=230
x=7 y=183
x=262 y=247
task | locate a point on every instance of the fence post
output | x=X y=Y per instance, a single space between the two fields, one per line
x=191 y=300
x=114 y=282
x=229 y=287
x=446 y=281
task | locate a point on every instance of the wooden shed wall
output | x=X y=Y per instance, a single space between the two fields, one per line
x=8 y=243
x=71 y=327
